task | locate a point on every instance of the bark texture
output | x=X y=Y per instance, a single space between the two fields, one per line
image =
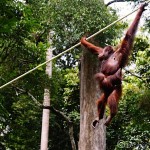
x=90 y=138
x=46 y=104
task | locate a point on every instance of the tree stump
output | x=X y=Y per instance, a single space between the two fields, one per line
x=90 y=138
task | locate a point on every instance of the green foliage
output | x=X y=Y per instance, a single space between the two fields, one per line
x=145 y=102
x=70 y=20
x=141 y=53
x=19 y=117
x=65 y=97
x=143 y=65
x=24 y=124
x=130 y=129
x=24 y=29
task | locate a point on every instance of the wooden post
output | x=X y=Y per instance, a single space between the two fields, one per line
x=90 y=138
x=46 y=103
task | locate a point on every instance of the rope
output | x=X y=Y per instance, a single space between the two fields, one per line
x=67 y=50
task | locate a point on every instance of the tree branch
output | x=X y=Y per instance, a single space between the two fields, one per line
x=140 y=77
x=30 y=95
x=61 y=114
x=144 y=79
x=114 y=1
x=24 y=91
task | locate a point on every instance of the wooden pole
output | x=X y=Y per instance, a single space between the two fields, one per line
x=90 y=138
x=46 y=103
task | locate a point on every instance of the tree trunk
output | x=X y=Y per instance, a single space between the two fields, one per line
x=90 y=138
x=46 y=105
x=45 y=120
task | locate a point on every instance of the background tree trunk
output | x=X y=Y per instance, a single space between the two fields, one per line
x=90 y=138
x=46 y=103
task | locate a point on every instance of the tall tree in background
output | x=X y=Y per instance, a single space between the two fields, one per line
x=46 y=102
